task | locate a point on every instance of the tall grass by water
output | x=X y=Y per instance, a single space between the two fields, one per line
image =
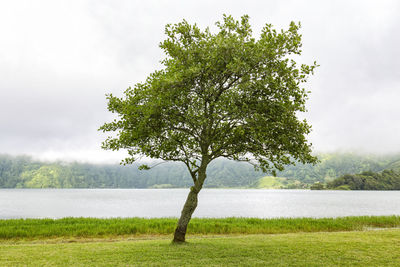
x=97 y=228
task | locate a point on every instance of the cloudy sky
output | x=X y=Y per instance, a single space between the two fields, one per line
x=58 y=59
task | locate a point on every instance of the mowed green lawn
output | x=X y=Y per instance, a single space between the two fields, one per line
x=356 y=248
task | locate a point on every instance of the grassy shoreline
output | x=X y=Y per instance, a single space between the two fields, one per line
x=346 y=241
x=66 y=228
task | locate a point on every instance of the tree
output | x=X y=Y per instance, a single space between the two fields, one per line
x=222 y=94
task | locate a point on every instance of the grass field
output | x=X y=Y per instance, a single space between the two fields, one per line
x=364 y=248
x=348 y=241
x=99 y=228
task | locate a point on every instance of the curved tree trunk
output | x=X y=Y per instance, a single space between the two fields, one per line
x=190 y=205
x=186 y=215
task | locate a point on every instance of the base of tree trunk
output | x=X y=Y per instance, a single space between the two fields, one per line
x=179 y=236
x=186 y=215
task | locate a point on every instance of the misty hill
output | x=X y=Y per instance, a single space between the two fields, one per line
x=394 y=166
x=25 y=172
x=334 y=165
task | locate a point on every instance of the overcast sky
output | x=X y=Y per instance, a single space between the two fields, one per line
x=58 y=59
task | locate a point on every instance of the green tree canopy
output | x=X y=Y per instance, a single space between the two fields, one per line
x=223 y=94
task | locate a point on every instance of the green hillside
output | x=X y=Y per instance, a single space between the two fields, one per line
x=386 y=180
x=395 y=166
x=25 y=172
x=270 y=182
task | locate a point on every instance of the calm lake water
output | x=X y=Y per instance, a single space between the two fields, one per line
x=58 y=203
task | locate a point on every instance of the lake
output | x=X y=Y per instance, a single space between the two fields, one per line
x=151 y=203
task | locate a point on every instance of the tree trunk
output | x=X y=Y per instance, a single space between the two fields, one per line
x=190 y=204
x=186 y=215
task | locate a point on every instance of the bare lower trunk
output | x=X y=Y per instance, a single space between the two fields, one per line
x=186 y=215
x=191 y=203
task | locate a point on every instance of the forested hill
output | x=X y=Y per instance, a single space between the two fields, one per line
x=24 y=172
x=386 y=180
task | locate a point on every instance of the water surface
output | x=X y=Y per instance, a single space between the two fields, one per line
x=150 y=203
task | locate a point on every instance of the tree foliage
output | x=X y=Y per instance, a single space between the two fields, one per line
x=221 y=94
